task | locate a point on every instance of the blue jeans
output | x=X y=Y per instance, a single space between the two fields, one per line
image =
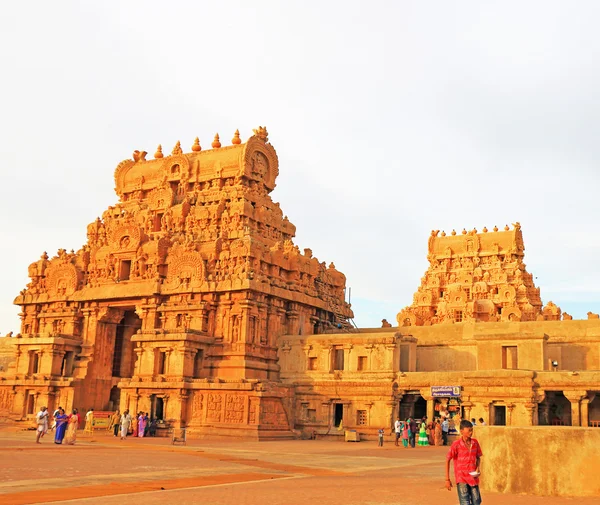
x=468 y=495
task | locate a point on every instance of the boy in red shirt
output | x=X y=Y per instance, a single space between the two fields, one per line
x=466 y=454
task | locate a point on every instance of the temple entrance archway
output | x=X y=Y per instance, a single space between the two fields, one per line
x=123 y=356
x=412 y=405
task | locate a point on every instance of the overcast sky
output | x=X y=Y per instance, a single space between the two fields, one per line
x=390 y=119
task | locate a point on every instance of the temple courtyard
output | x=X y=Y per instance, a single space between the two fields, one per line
x=101 y=469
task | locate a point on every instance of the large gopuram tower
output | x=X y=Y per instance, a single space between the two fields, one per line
x=175 y=304
x=476 y=277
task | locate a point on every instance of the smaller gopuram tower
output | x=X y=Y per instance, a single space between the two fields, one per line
x=475 y=277
x=175 y=303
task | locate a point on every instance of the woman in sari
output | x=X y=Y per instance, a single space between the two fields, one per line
x=438 y=433
x=423 y=442
x=72 y=427
x=141 y=425
x=430 y=434
x=61 y=420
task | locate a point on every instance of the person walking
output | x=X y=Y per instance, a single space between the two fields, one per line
x=423 y=441
x=141 y=425
x=54 y=414
x=61 y=420
x=437 y=433
x=115 y=419
x=445 y=428
x=466 y=455
x=41 y=420
x=125 y=424
x=72 y=427
x=405 y=434
x=397 y=431
x=134 y=424
x=412 y=434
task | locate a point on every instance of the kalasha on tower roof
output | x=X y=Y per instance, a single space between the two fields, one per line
x=476 y=277
x=192 y=222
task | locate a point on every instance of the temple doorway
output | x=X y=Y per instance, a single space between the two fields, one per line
x=338 y=414
x=156 y=407
x=499 y=415
x=115 y=398
x=412 y=405
x=123 y=356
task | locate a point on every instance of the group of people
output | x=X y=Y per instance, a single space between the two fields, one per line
x=64 y=426
x=415 y=432
x=139 y=425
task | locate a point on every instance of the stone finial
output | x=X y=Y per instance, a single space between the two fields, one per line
x=464 y=232
x=262 y=133
x=506 y=228
x=216 y=143
x=158 y=154
x=453 y=233
x=474 y=232
x=443 y=233
x=177 y=149
x=236 y=140
x=485 y=230
x=139 y=155
x=495 y=228
x=196 y=147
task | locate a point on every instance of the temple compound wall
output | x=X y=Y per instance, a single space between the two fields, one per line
x=476 y=343
x=175 y=303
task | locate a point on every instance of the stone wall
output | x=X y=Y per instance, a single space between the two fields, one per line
x=542 y=461
x=7 y=353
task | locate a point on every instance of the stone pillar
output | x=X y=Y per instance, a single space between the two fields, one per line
x=467 y=406
x=585 y=403
x=532 y=417
x=575 y=398
x=430 y=407
x=392 y=405
x=133 y=404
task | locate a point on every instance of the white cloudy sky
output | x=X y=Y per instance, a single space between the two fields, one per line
x=389 y=119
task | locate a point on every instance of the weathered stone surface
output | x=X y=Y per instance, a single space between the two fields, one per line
x=556 y=461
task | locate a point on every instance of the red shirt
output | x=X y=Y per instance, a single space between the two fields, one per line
x=465 y=460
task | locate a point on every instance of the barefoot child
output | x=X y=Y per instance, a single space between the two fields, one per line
x=466 y=454
x=380 y=433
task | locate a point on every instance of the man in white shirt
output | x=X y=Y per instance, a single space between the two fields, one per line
x=397 y=431
x=41 y=419
x=445 y=428
x=89 y=420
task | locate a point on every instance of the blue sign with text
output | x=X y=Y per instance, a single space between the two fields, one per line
x=445 y=391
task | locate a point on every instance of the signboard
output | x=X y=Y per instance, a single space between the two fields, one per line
x=102 y=418
x=445 y=391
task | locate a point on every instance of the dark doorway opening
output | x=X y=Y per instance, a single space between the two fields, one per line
x=157 y=407
x=115 y=398
x=499 y=415
x=338 y=414
x=30 y=403
x=118 y=353
x=420 y=408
